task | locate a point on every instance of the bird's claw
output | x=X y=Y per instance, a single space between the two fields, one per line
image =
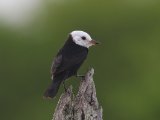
x=81 y=76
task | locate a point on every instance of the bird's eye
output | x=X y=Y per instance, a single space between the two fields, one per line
x=83 y=38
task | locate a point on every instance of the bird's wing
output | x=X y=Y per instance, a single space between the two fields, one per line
x=62 y=62
x=56 y=64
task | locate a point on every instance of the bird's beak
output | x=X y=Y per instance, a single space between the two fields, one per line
x=93 y=42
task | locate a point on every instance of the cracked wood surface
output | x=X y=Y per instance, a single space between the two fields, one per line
x=84 y=106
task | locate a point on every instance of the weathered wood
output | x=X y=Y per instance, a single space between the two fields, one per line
x=84 y=106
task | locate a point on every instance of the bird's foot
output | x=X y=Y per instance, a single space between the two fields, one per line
x=80 y=76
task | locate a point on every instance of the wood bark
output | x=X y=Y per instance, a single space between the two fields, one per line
x=83 y=106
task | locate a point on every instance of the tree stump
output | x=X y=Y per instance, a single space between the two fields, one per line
x=83 y=106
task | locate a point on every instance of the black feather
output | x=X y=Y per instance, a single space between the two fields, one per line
x=66 y=64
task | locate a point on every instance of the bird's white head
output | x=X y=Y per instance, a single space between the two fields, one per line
x=83 y=39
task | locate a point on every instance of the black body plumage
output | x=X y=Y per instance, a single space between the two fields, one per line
x=66 y=64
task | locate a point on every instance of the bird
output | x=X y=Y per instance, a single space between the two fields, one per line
x=69 y=59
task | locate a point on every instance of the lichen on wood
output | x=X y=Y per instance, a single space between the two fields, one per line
x=84 y=106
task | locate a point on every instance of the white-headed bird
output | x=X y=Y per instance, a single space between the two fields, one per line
x=69 y=59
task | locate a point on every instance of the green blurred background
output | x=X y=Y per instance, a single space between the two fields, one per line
x=127 y=63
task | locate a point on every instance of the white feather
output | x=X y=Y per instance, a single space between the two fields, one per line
x=77 y=38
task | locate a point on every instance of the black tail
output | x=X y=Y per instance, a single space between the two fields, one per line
x=53 y=89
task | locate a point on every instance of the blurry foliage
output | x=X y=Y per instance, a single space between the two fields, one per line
x=127 y=63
